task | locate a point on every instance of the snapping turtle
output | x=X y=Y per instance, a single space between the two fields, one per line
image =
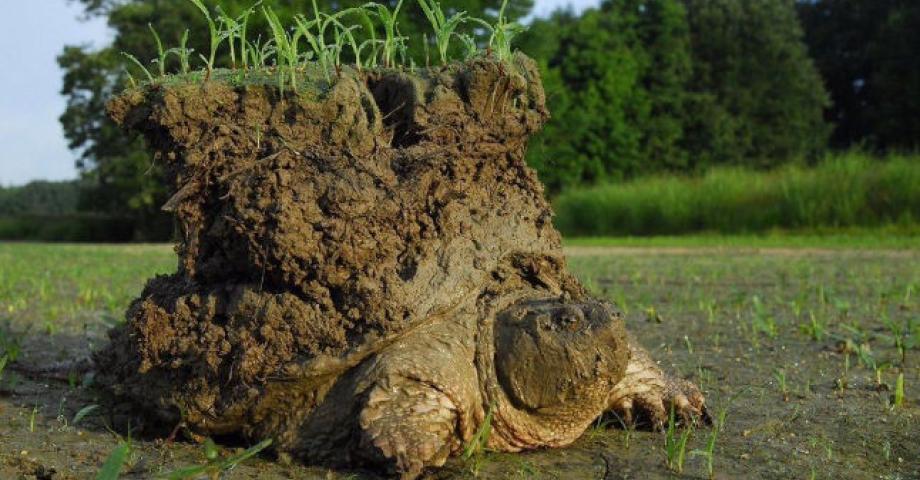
x=368 y=271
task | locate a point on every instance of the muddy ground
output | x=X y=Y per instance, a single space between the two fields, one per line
x=736 y=321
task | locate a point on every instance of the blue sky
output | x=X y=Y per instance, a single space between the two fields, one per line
x=32 y=144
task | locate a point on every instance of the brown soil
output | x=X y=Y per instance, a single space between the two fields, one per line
x=316 y=228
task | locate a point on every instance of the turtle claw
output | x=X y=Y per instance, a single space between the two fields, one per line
x=648 y=395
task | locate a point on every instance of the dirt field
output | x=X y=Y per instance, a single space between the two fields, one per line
x=799 y=349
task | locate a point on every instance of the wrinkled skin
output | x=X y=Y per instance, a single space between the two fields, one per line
x=371 y=276
x=553 y=377
x=558 y=366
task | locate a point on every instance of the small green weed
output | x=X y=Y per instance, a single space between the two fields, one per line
x=215 y=467
x=392 y=41
x=843 y=380
x=780 y=376
x=444 y=27
x=503 y=33
x=763 y=322
x=217 y=37
x=162 y=53
x=708 y=453
x=82 y=413
x=116 y=460
x=898 y=400
x=32 y=419
x=675 y=444
x=472 y=453
x=140 y=65
x=815 y=327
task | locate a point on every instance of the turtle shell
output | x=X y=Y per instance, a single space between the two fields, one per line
x=315 y=227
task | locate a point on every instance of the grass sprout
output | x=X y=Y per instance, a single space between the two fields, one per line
x=216 y=36
x=286 y=48
x=675 y=444
x=244 y=26
x=182 y=52
x=392 y=40
x=140 y=65
x=899 y=391
x=235 y=29
x=502 y=34
x=116 y=460
x=32 y=418
x=82 y=413
x=443 y=26
x=315 y=32
x=343 y=36
x=260 y=53
x=214 y=466
x=372 y=43
x=161 y=53
x=470 y=48
x=472 y=453
x=842 y=382
x=708 y=453
x=764 y=321
x=815 y=328
x=780 y=376
x=480 y=439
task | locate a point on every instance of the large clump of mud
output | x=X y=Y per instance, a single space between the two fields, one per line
x=315 y=227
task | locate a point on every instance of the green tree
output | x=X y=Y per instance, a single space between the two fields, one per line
x=638 y=86
x=758 y=97
x=866 y=52
x=124 y=179
x=615 y=79
x=39 y=198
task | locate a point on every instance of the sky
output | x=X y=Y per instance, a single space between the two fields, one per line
x=32 y=143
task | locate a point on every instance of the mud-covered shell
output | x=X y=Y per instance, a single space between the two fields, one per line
x=315 y=228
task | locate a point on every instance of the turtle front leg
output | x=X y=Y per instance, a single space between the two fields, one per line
x=417 y=398
x=647 y=393
x=407 y=426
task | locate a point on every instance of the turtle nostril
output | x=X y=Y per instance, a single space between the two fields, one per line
x=569 y=317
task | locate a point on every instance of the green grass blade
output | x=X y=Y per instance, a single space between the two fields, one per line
x=83 y=413
x=243 y=456
x=139 y=64
x=111 y=469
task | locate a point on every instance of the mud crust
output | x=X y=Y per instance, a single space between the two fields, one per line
x=314 y=229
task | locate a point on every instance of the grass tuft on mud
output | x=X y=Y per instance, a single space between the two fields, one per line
x=323 y=43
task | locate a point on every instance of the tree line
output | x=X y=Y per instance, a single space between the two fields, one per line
x=634 y=86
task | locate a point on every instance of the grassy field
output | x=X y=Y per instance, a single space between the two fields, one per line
x=800 y=347
x=849 y=239
x=844 y=191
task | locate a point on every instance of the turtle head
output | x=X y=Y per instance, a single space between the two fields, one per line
x=552 y=355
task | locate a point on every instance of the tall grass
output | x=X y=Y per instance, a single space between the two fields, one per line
x=846 y=190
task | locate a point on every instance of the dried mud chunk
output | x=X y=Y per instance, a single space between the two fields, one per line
x=349 y=265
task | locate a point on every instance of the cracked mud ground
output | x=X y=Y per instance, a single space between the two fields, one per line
x=729 y=319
